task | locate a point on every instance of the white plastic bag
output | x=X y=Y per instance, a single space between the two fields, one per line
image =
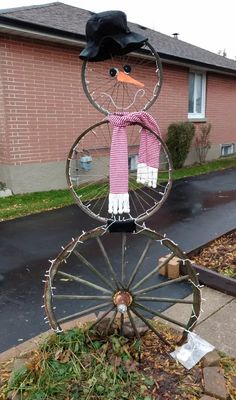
x=192 y=351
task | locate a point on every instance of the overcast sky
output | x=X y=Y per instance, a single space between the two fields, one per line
x=206 y=23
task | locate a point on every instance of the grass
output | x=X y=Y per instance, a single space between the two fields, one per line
x=79 y=365
x=211 y=166
x=30 y=203
x=24 y=204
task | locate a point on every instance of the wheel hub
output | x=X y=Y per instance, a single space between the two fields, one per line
x=122 y=300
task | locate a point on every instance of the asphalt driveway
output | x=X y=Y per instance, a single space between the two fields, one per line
x=197 y=210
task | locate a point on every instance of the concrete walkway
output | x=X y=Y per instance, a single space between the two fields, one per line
x=217 y=321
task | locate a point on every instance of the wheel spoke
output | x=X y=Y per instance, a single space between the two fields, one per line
x=105 y=255
x=160 y=315
x=164 y=300
x=133 y=203
x=78 y=297
x=103 y=191
x=133 y=323
x=84 y=282
x=153 y=272
x=141 y=199
x=99 y=193
x=140 y=261
x=136 y=187
x=102 y=317
x=123 y=249
x=84 y=312
x=112 y=319
x=92 y=268
x=163 y=284
x=103 y=204
x=121 y=324
x=150 y=326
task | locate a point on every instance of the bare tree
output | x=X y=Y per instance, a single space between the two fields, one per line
x=202 y=142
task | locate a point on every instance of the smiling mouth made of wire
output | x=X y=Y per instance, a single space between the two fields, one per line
x=140 y=93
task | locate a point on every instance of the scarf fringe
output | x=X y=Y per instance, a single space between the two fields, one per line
x=147 y=175
x=118 y=203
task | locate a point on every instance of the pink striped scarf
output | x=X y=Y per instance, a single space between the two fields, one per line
x=148 y=158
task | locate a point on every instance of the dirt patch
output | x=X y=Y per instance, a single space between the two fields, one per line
x=219 y=256
x=171 y=379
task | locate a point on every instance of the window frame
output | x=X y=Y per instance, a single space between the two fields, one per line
x=133 y=162
x=225 y=146
x=194 y=114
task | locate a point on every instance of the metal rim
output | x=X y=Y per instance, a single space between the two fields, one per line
x=143 y=203
x=146 y=52
x=115 y=288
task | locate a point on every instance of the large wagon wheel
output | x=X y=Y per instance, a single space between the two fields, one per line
x=126 y=285
x=89 y=182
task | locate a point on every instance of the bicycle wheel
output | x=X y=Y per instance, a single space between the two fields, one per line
x=130 y=82
x=118 y=274
x=87 y=173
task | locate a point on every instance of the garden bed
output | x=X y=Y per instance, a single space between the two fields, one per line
x=216 y=263
x=83 y=365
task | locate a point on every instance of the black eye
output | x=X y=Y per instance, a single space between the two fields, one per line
x=113 y=72
x=127 y=69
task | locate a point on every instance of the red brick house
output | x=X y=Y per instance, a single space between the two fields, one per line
x=43 y=107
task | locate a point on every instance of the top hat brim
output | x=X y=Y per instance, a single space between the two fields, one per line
x=113 y=45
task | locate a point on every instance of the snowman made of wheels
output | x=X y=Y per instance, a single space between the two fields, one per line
x=119 y=172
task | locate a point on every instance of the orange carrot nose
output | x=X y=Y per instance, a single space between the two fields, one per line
x=125 y=78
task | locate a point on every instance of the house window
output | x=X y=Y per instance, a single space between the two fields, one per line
x=133 y=161
x=197 y=92
x=227 y=149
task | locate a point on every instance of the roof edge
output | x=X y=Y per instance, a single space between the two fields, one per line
x=47 y=31
x=12 y=22
x=184 y=61
x=11 y=10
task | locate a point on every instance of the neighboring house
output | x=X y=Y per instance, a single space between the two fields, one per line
x=43 y=107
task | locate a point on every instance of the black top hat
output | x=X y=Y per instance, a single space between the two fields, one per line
x=108 y=35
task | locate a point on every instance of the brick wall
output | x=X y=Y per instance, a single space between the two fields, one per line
x=43 y=107
x=221 y=107
x=3 y=132
x=172 y=105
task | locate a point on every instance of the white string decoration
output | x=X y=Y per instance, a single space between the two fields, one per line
x=140 y=93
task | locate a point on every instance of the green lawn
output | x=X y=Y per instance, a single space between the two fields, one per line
x=30 y=203
x=211 y=166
